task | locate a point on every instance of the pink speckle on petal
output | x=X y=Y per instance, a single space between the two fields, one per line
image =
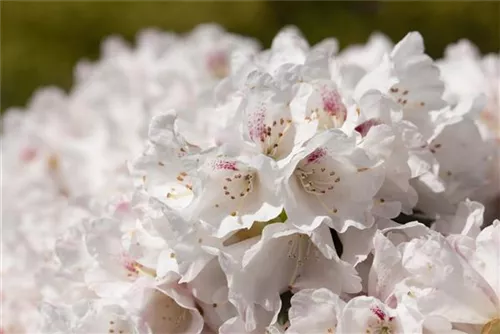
x=218 y=64
x=123 y=207
x=364 y=127
x=28 y=154
x=256 y=124
x=216 y=58
x=332 y=103
x=224 y=165
x=128 y=263
x=378 y=312
x=315 y=155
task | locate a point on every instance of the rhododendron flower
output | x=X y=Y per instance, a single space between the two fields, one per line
x=332 y=179
x=195 y=184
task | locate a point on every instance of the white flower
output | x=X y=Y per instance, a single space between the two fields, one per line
x=412 y=80
x=117 y=268
x=236 y=325
x=164 y=167
x=266 y=188
x=65 y=282
x=367 y=56
x=169 y=309
x=469 y=77
x=104 y=317
x=332 y=180
x=92 y=316
x=462 y=168
x=468 y=220
x=268 y=124
x=370 y=315
x=315 y=311
x=392 y=143
x=236 y=191
x=298 y=260
x=387 y=269
x=462 y=278
x=186 y=243
x=321 y=311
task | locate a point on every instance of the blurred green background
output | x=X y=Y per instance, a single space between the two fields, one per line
x=41 y=41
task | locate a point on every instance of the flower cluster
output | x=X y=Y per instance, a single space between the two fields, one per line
x=199 y=184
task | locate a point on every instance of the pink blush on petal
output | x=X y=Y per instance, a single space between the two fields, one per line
x=28 y=154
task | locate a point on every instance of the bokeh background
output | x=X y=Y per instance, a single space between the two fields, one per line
x=42 y=40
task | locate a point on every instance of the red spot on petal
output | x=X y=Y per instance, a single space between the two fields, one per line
x=378 y=312
x=364 y=127
x=332 y=103
x=315 y=155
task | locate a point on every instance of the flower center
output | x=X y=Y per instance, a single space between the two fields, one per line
x=314 y=175
x=268 y=132
x=182 y=188
x=234 y=182
x=134 y=268
x=381 y=324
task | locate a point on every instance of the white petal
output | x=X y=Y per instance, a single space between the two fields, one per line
x=315 y=311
